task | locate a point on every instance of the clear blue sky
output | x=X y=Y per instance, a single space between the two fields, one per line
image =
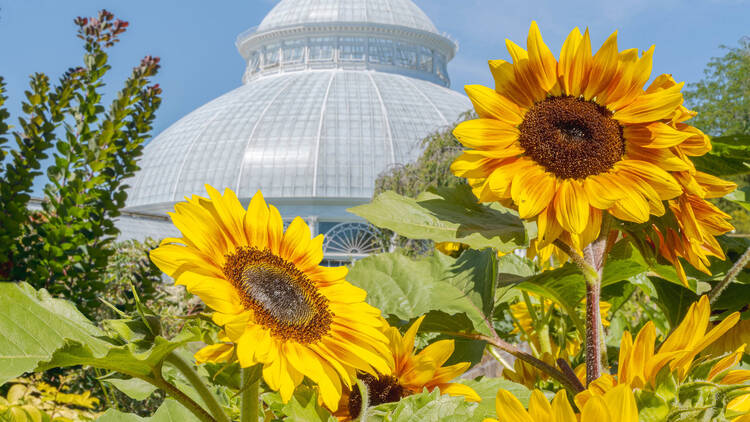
x=195 y=38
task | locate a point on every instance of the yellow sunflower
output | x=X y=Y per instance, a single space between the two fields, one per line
x=566 y=141
x=274 y=301
x=639 y=363
x=693 y=238
x=411 y=373
x=617 y=405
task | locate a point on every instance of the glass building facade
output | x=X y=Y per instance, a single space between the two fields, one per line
x=334 y=93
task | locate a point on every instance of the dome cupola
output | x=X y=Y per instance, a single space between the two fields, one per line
x=382 y=35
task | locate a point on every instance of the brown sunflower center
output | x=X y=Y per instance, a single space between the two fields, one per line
x=382 y=389
x=571 y=137
x=283 y=299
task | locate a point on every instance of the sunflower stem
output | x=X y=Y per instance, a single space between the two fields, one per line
x=158 y=381
x=249 y=398
x=594 y=257
x=195 y=380
x=713 y=296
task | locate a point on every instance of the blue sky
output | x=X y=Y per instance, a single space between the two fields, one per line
x=195 y=38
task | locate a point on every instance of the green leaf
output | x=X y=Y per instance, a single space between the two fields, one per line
x=302 y=407
x=407 y=288
x=729 y=156
x=425 y=407
x=169 y=411
x=674 y=300
x=566 y=285
x=33 y=325
x=135 y=388
x=448 y=215
x=487 y=389
x=130 y=359
x=741 y=196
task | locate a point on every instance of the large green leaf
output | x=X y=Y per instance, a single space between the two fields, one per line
x=487 y=389
x=406 y=288
x=169 y=411
x=730 y=156
x=448 y=215
x=34 y=325
x=425 y=407
x=673 y=300
x=130 y=359
x=40 y=333
x=741 y=196
x=566 y=285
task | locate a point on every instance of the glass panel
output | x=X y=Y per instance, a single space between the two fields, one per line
x=381 y=51
x=352 y=48
x=294 y=51
x=406 y=56
x=254 y=62
x=271 y=57
x=425 y=59
x=440 y=67
x=321 y=48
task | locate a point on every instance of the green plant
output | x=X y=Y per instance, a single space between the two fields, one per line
x=66 y=246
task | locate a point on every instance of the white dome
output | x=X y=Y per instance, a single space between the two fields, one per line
x=387 y=12
x=317 y=134
x=335 y=92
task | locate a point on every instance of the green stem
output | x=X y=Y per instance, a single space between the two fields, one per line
x=543 y=334
x=195 y=380
x=713 y=296
x=249 y=398
x=174 y=392
x=365 y=395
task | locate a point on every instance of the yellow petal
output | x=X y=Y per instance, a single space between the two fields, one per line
x=572 y=206
x=651 y=107
x=256 y=222
x=575 y=61
x=595 y=410
x=603 y=68
x=490 y=136
x=561 y=408
x=489 y=104
x=539 y=408
x=542 y=62
x=217 y=293
x=509 y=409
x=654 y=135
x=621 y=404
x=533 y=191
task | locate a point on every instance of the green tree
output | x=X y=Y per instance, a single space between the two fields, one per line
x=66 y=246
x=722 y=98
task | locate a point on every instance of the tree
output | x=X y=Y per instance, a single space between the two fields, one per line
x=722 y=98
x=66 y=246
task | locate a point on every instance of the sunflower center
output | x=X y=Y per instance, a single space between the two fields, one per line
x=283 y=299
x=382 y=389
x=571 y=137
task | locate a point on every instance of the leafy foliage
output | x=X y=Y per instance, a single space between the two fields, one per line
x=721 y=98
x=447 y=215
x=66 y=246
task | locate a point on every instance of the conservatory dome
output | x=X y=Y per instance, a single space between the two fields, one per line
x=334 y=93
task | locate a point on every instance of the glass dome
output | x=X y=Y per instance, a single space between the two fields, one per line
x=387 y=12
x=324 y=109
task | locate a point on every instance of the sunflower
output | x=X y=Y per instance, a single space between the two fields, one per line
x=639 y=363
x=274 y=301
x=693 y=237
x=567 y=141
x=411 y=373
x=617 y=405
